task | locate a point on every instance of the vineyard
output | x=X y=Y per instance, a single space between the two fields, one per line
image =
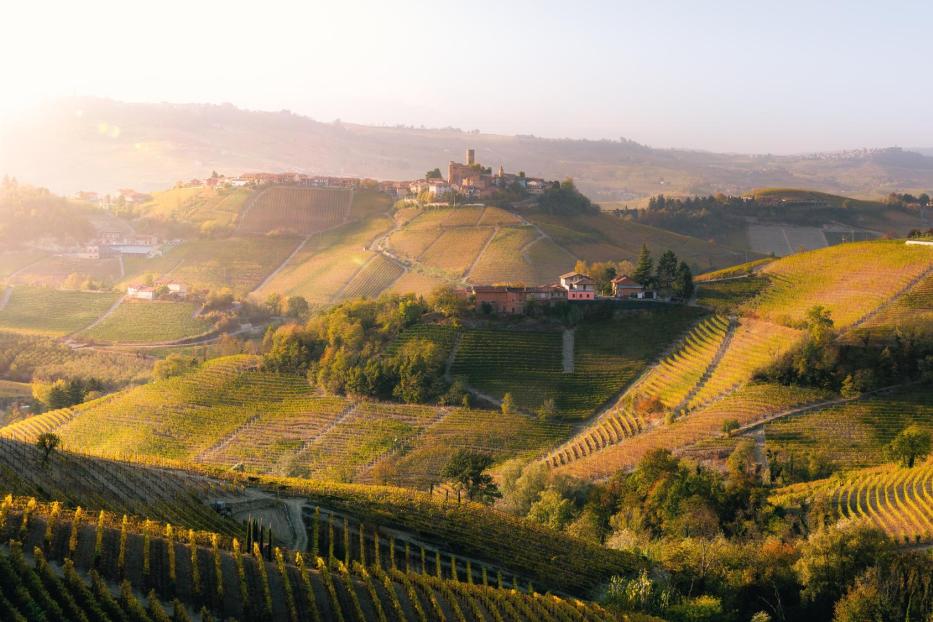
x=40 y=310
x=455 y=249
x=198 y=205
x=229 y=414
x=374 y=580
x=608 y=355
x=909 y=314
x=375 y=276
x=727 y=296
x=850 y=435
x=602 y=237
x=330 y=262
x=507 y=259
x=149 y=322
x=297 y=210
x=742 y=269
x=489 y=432
x=753 y=345
x=747 y=405
x=898 y=500
x=873 y=272
x=237 y=263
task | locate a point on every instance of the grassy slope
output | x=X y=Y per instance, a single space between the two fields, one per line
x=41 y=310
x=146 y=322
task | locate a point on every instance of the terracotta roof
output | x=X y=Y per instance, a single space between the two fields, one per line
x=624 y=279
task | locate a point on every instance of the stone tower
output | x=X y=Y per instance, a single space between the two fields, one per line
x=470 y=157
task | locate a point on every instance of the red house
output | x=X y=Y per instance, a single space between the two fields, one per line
x=578 y=286
x=514 y=299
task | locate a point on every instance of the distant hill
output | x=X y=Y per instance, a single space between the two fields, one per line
x=97 y=144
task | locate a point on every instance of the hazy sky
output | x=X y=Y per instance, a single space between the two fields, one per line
x=751 y=75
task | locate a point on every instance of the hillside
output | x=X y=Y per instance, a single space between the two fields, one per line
x=150 y=146
x=709 y=379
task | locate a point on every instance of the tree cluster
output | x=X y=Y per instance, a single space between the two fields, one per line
x=820 y=361
x=62 y=393
x=566 y=199
x=670 y=277
x=352 y=349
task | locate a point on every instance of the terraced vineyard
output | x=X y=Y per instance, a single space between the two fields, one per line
x=149 y=322
x=747 y=405
x=873 y=272
x=112 y=485
x=854 y=434
x=40 y=310
x=897 y=500
x=677 y=374
x=753 y=345
x=671 y=381
x=910 y=314
x=608 y=355
x=53 y=271
x=299 y=210
x=12 y=261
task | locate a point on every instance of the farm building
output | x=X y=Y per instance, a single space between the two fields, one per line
x=514 y=299
x=141 y=292
x=578 y=286
x=624 y=286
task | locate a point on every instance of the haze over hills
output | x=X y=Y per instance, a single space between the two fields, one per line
x=97 y=144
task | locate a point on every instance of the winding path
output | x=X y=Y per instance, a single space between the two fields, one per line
x=5 y=298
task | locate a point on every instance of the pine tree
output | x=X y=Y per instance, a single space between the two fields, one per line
x=683 y=284
x=667 y=270
x=645 y=267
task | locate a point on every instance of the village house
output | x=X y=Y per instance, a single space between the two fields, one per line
x=578 y=286
x=624 y=286
x=141 y=292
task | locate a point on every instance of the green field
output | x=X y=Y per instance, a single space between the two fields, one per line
x=148 y=322
x=48 y=311
x=608 y=355
x=11 y=261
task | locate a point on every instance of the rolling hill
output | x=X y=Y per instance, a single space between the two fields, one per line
x=85 y=143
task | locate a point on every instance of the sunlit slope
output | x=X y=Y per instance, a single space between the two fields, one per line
x=46 y=311
x=228 y=413
x=896 y=499
x=850 y=280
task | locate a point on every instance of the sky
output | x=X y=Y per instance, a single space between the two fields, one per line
x=749 y=76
